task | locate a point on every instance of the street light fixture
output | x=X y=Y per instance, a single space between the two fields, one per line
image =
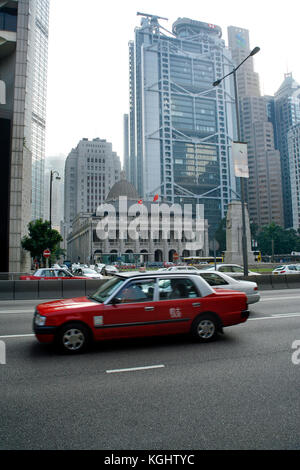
x=216 y=83
x=57 y=177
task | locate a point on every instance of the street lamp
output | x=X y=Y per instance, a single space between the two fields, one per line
x=57 y=177
x=216 y=83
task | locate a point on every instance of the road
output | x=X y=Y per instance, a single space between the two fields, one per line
x=240 y=392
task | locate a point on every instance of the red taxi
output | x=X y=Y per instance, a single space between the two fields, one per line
x=128 y=306
x=50 y=274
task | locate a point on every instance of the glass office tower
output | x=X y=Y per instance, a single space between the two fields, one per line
x=23 y=73
x=180 y=126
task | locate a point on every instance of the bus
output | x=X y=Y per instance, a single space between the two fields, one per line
x=203 y=259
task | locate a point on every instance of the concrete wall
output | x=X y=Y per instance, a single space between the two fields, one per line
x=59 y=289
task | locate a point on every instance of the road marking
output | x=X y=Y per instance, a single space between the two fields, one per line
x=275 y=299
x=113 y=371
x=17 y=311
x=16 y=336
x=279 y=315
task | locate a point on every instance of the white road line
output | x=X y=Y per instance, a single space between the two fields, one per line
x=17 y=311
x=113 y=371
x=16 y=336
x=275 y=299
x=275 y=316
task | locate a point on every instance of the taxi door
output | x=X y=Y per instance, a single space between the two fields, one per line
x=179 y=303
x=131 y=313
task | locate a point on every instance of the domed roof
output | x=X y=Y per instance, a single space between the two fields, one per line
x=123 y=188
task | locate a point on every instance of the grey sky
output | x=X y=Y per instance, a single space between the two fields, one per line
x=88 y=57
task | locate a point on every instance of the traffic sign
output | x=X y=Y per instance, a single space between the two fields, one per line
x=46 y=253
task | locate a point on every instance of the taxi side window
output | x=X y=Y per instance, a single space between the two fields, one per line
x=177 y=289
x=213 y=279
x=47 y=273
x=137 y=291
x=60 y=273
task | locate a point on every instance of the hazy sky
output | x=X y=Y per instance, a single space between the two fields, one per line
x=88 y=57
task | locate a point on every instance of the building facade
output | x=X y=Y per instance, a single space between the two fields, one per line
x=293 y=140
x=287 y=115
x=264 y=188
x=87 y=245
x=181 y=127
x=91 y=169
x=23 y=73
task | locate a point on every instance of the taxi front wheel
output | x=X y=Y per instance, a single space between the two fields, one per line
x=205 y=328
x=73 y=338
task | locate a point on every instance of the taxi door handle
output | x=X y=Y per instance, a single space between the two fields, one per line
x=149 y=308
x=197 y=304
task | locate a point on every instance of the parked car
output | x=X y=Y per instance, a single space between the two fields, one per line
x=287 y=269
x=88 y=273
x=109 y=270
x=140 y=305
x=219 y=280
x=49 y=274
x=232 y=270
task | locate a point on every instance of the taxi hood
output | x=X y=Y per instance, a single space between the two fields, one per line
x=68 y=304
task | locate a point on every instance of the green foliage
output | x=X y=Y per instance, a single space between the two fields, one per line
x=285 y=240
x=40 y=237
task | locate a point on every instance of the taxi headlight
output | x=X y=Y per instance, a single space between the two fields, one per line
x=40 y=320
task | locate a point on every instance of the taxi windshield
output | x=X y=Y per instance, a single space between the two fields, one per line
x=106 y=289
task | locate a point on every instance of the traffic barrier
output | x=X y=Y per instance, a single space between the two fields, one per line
x=279 y=281
x=293 y=281
x=7 y=290
x=264 y=282
x=73 y=288
x=49 y=289
x=56 y=289
x=26 y=290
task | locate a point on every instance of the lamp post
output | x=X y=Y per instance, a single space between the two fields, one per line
x=57 y=177
x=242 y=180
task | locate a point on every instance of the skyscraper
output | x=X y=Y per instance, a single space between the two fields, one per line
x=180 y=126
x=287 y=115
x=264 y=185
x=91 y=169
x=23 y=73
x=293 y=140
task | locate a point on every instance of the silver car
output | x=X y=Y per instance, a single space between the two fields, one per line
x=219 y=280
x=287 y=269
x=232 y=270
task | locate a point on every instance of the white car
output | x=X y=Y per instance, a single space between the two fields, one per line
x=232 y=270
x=177 y=269
x=110 y=270
x=287 y=269
x=88 y=273
x=219 y=280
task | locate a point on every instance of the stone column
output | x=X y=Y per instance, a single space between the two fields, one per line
x=234 y=230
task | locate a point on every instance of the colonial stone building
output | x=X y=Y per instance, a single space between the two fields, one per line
x=129 y=229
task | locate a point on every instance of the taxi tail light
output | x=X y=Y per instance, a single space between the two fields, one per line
x=255 y=288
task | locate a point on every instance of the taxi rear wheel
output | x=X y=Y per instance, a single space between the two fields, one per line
x=205 y=328
x=73 y=338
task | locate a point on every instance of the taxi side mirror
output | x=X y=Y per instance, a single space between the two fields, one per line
x=115 y=301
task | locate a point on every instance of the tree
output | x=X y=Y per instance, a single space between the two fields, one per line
x=40 y=237
x=275 y=237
